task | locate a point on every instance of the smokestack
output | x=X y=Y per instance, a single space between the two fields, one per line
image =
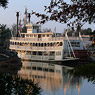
x=17 y=14
x=29 y=16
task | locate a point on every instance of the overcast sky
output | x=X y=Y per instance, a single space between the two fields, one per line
x=8 y=16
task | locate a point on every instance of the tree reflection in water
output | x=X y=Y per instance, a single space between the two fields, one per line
x=14 y=85
x=87 y=72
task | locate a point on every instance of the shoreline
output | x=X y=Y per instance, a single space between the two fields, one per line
x=9 y=58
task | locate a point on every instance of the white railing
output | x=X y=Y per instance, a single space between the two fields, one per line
x=17 y=47
x=36 y=39
x=36 y=57
x=41 y=39
x=26 y=39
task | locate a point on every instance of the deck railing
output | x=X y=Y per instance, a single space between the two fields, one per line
x=33 y=48
x=41 y=39
x=36 y=57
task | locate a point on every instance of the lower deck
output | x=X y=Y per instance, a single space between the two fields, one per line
x=40 y=55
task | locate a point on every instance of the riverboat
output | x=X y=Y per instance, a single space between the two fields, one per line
x=47 y=46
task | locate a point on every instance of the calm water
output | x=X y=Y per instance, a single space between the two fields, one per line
x=54 y=79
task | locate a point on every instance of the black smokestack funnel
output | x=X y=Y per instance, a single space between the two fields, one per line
x=17 y=14
x=29 y=16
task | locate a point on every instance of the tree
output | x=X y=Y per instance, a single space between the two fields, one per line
x=46 y=30
x=24 y=29
x=92 y=38
x=86 y=71
x=4 y=35
x=3 y=3
x=87 y=31
x=81 y=10
x=13 y=29
x=14 y=85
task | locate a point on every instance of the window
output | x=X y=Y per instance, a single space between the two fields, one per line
x=35 y=35
x=34 y=44
x=22 y=35
x=47 y=35
x=39 y=53
x=52 y=53
x=43 y=35
x=61 y=43
x=27 y=35
x=75 y=44
x=28 y=67
x=31 y=35
x=42 y=44
x=58 y=53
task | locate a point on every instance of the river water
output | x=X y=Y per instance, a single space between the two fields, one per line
x=54 y=79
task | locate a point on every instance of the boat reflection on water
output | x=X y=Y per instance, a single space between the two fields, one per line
x=50 y=77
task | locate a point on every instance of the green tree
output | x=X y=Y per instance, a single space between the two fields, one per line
x=47 y=30
x=92 y=38
x=87 y=31
x=3 y=3
x=71 y=33
x=85 y=71
x=5 y=34
x=24 y=29
x=14 y=85
x=13 y=29
x=81 y=10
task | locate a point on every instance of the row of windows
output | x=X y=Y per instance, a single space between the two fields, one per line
x=75 y=43
x=37 y=44
x=40 y=53
x=34 y=35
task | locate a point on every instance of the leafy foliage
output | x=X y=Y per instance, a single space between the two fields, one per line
x=3 y=3
x=13 y=29
x=14 y=85
x=92 y=38
x=81 y=10
x=24 y=29
x=87 y=31
x=47 y=30
x=4 y=33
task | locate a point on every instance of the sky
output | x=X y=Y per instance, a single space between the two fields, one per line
x=8 y=15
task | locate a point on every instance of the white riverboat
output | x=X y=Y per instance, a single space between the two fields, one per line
x=37 y=45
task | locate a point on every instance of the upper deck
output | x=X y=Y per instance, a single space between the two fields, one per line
x=34 y=34
x=43 y=39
